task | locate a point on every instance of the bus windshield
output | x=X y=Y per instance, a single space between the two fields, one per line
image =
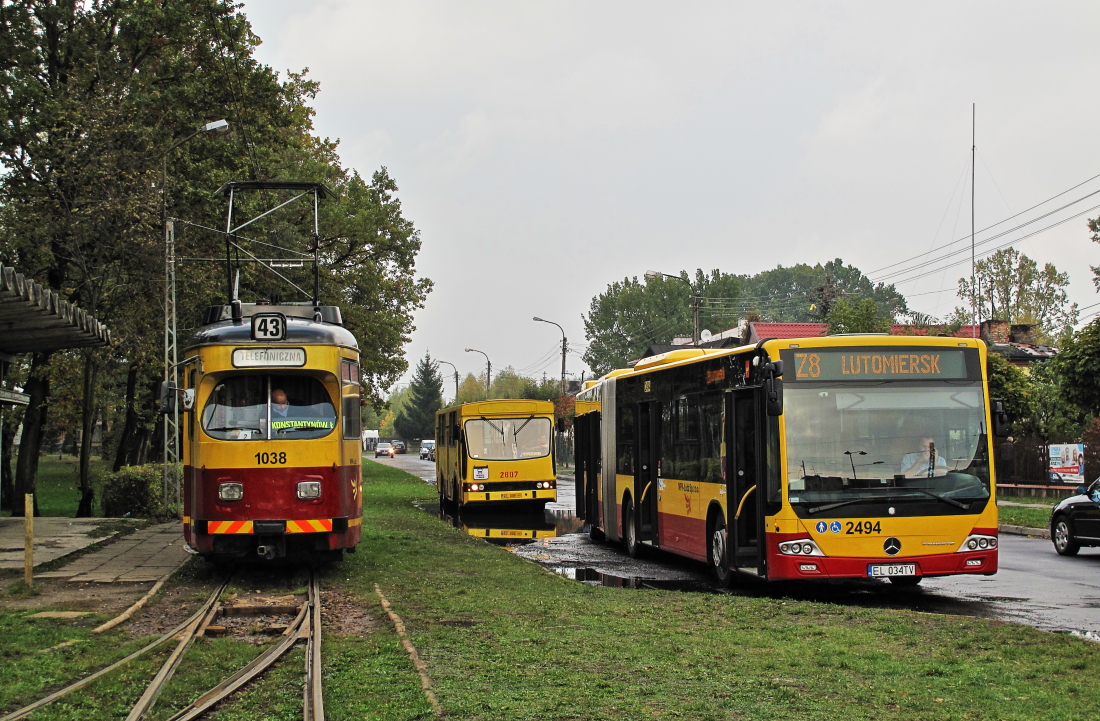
x=508 y=439
x=253 y=407
x=888 y=442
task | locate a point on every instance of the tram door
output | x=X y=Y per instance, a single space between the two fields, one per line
x=744 y=458
x=580 y=451
x=645 y=474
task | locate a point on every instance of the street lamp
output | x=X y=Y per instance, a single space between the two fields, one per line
x=563 y=349
x=651 y=274
x=488 y=370
x=452 y=365
x=171 y=366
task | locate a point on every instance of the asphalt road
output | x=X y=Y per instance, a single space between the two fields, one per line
x=1034 y=585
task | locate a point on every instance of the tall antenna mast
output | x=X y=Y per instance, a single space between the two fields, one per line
x=973 y=256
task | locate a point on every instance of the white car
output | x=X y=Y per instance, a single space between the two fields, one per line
x=426 y=448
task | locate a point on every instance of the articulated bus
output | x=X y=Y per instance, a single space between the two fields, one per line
x=812 y=458
x=495 y=451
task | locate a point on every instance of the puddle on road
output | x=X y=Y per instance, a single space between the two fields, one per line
x=507 y=527
x=596 y=577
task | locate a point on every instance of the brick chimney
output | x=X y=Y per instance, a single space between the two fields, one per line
x=995 y=331
x=1024 y=333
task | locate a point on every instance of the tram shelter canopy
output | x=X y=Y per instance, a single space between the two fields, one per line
x=34 y=319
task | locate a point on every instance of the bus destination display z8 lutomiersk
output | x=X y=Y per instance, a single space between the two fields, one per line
x=811 y=458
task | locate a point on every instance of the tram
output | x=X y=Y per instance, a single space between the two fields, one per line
x=271 y=433
x=495 y=452
x=873 y=461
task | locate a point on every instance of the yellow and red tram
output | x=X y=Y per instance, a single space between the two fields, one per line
x=271 y=433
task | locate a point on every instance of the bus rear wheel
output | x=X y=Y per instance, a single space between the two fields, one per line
x=630 y=533
x=719 y=557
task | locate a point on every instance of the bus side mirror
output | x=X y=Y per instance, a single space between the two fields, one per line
x=167 y=397
x=1000 y=418
x=773 y=387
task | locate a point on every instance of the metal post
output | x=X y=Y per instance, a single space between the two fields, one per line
x=171 y=475
x=452 y=365
x=563 y=349
x=28 y=539
x=695 y=319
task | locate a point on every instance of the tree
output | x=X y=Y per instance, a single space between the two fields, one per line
x=417 y=418
x=858 y=316
x=1012 y=385
x=471 y=389
x=630 y=315
x=94 y=94
x=1010 y=286
x=1078 y=366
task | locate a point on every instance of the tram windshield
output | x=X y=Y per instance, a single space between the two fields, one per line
x=886 y=442
x=508 y=439
x=255 y=407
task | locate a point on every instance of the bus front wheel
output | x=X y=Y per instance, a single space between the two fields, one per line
x=719 y=557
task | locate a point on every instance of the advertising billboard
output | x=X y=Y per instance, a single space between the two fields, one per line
x=1067 y=463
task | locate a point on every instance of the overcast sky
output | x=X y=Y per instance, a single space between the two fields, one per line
x=545 y=150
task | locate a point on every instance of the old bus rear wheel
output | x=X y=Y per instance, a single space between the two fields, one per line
x=719 y=557
x=630 y=533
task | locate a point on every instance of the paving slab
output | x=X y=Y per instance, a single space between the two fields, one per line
x=145 y=555
x=53 y=538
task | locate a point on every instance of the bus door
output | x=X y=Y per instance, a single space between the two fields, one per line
x=586 y=471
x=743 y=457
x=645 y=474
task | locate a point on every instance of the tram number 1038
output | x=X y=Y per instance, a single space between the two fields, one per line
x=270 y=459
x=268 y=327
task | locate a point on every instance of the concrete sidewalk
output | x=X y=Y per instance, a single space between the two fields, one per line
x=145 y=555
x=54 y=537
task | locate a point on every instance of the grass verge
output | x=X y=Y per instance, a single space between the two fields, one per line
x=57 y=490
x=1029 y=517
x=503 y=639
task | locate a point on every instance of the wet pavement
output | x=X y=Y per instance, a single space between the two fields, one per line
x=1034 y=586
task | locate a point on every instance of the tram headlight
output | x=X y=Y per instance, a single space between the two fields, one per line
x=230 y=491
x=309 y=489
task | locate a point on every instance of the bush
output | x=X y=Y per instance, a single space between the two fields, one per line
x=134 y=491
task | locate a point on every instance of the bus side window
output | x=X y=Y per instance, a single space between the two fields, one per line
x=625 y=440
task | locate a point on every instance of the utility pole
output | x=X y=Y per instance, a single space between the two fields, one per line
x=973 y=255
x=488 y=370
x=452 y=365
x=564 y=348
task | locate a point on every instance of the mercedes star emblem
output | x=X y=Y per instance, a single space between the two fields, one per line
x=892 y=546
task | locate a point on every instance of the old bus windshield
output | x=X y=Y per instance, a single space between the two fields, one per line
x=255 y=407
x=888 y=442
x=508 y=439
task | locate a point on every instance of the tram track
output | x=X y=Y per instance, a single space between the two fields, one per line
x=305 y=627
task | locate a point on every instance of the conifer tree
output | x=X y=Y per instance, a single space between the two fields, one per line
x=416 y=420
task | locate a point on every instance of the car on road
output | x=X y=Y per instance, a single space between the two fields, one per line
x=1075 y=522
x=399 y=446
x=384 y=449
x=426 y=448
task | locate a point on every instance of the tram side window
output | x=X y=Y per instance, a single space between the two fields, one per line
x=625 y=442
x=254 y=407
x=349 y=382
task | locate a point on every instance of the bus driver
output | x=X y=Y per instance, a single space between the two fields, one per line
x=924 y=462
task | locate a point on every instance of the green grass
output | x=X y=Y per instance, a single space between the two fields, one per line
x=58 y=479
x=504 y=639
x=1038 y=500
x=1030 y=517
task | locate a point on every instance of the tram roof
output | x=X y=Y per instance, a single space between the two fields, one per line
x=299 y=331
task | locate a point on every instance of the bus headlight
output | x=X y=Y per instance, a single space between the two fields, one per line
x=309 y=489
x=230 y=491
x=801 y=547
x=978 y=542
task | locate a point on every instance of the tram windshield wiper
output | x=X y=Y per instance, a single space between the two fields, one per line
x=236 y=428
